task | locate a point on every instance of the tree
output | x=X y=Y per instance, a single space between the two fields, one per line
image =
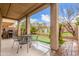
x=77 y=19
x=70 y=14
x=33 y=29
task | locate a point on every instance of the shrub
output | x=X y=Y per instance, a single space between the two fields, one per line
x=33 y=29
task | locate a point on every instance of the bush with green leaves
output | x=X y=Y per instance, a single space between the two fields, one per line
x=33 y=29
x=77 y=19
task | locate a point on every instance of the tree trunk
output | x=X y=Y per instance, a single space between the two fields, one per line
x=77 y=32
x=77 y=36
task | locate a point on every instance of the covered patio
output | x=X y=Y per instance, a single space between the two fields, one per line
x=16 y=11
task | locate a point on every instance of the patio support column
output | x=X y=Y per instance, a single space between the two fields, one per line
x=77 y=33
x=0 y=24
x=27 y=25
x=19 y=30
x=77 y=36
x=0 y=30
x=54 y=26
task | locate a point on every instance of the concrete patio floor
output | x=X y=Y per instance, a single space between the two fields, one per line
x=35 y=50
x=69 y=48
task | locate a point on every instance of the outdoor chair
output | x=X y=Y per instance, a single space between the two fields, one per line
x=24 y=40
x=16 y=39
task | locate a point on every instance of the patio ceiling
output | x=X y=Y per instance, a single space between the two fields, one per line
x=18 y=10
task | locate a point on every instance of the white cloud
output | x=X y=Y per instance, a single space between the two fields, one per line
x=32 y=20
x=64 y=10
x=45 y=18
x=73 y=21
x=62 y=19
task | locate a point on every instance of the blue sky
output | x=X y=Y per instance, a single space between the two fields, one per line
x=44 y=15
x=65 y=6
x=39 y=17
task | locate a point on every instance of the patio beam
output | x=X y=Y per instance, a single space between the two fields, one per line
x=0 y=30
x=54 y=26
x=27 y=25
x=10 y=18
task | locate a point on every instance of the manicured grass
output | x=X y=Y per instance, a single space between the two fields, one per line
x=46 y=39
x=67 y=34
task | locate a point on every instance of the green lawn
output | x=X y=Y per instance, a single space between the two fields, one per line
x=46 y=39
x=67 y=34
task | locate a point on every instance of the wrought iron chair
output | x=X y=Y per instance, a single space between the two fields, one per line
x=24 y=40
x=16 y=39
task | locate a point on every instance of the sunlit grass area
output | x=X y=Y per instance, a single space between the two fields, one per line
x=46 y=39
x=41 y=38
x=66 y=34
